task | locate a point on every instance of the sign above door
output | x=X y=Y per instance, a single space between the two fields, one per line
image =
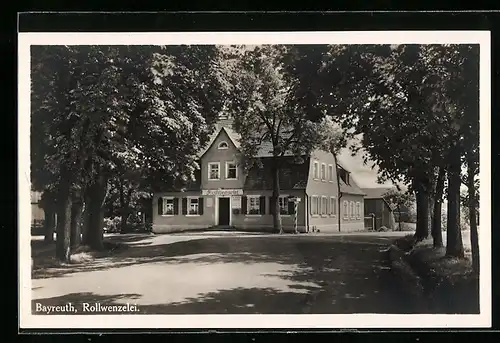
x=222 y=192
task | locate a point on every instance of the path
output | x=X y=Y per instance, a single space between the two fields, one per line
x=238 y=274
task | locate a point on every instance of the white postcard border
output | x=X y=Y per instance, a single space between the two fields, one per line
x=313 y=321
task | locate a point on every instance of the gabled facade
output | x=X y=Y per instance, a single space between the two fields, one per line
x=226 y=196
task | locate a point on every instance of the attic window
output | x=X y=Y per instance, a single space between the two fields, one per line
x=223 y=145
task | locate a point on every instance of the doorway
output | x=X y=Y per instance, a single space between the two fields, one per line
x=224 y=211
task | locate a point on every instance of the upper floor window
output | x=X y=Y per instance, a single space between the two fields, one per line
x=214 y=171
x=330 y=172
x=323 y=171
x=315 y=170
x=223 y=145
x=231 y=171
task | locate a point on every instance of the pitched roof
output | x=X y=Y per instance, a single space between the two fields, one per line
x=292 y=175
x=351 y=188
x=233 y=136
x=376 y=192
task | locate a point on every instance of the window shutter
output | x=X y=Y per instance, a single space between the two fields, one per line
x=291 y=207
x=262 y=204
x=200 y=206
x=243 y=204
x=272 y=205
x=160 y=206
x=176 y=206
x=184 y=206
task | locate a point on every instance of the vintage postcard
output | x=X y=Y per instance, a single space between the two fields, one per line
x=254 y=180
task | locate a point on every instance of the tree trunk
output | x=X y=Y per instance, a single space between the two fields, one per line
x=454 y=245
x=49 y=224
x=474 y=239
x=63 y=221
x=276 y=193
x=436 y=230
x=399 y=218
x=87 y=219
x=422 y=231
x=76 y=219
x=95 y=215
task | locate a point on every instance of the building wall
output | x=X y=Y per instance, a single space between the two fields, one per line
x=37 y=213
x=383 y=214
x=322 y=188
x=250 y=222
x=213 y=154
x=352 y=220
x=179 y=221
x=239 y=220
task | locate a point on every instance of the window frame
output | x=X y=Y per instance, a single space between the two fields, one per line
x=165 y=199
x=333 y=206
x=189 y=199
x=249 y=197
x=284 y=196
x=315 y=170
x=345 y=205
x=235 y=168
x=323 y=172
x=221 y=147
x=324 y=206
x=330 y=173
x=210 y=164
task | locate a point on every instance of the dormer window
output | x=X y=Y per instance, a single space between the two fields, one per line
x=223 y=145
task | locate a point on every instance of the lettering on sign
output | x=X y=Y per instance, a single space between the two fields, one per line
x=222 y=192
x=236 y=201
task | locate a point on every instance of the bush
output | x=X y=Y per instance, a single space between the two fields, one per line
x=112 y=224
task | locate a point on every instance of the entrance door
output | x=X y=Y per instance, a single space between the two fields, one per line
x=224 y=211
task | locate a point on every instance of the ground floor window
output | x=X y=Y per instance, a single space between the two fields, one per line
x=351 y=210
x=168 y=206
x=358 y=210
x=283 y=202
x=314 y=205
x=324 y=205
x=346 y=210
x=193 y=206
x=254 y=205
x=333 y=206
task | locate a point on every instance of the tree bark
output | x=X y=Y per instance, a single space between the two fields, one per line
x=276 y=193
x=474 y=239
x=399 y=218
x=422 y=231
x=87 y=218
x=95 y=216
x=76 y=219
x=454 y=244
x=63 y=220
x=436 y=230
x=49 y=224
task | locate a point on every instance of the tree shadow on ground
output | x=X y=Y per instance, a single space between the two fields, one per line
x=247 y=250
x=322 y=276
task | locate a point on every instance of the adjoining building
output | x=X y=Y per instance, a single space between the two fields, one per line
x=223 y=195
x=378 y=211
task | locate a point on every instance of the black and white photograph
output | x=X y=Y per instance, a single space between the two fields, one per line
x=239 y=179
